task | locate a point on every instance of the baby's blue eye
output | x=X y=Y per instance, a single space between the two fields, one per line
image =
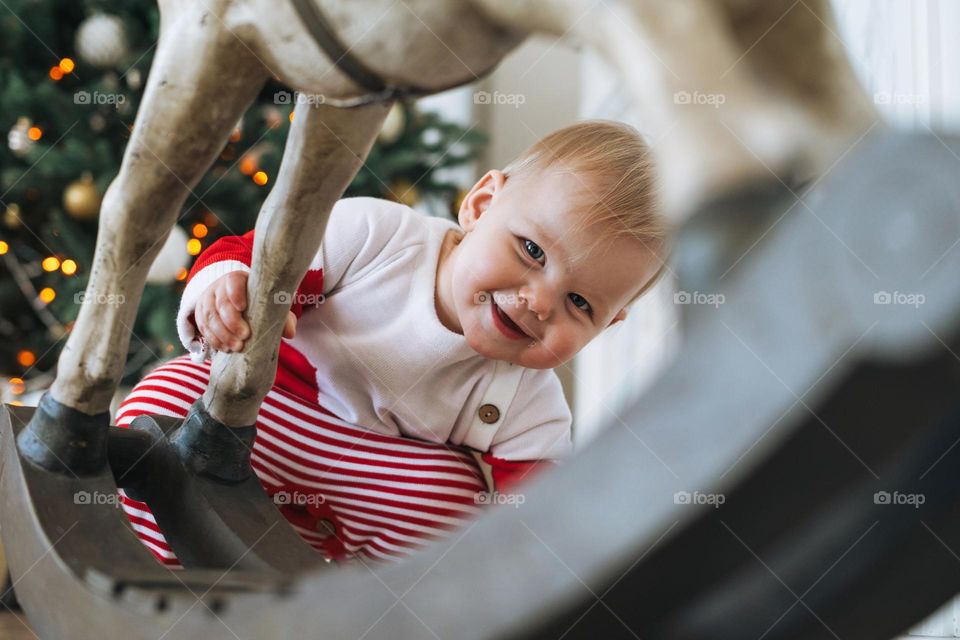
x=533 y=249
x=580 y=302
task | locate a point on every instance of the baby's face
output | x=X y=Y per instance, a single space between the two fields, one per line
x=525 y=287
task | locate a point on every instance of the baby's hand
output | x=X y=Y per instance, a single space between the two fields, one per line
x=219 y=310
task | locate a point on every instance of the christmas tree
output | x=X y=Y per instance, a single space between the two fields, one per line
x=71 y=78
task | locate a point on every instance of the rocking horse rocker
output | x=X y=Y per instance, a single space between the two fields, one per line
x=790 y=199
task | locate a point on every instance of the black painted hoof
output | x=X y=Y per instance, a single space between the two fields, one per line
x=62 y=439
x=212 y=449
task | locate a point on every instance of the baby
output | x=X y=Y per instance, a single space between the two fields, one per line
x=414 y=326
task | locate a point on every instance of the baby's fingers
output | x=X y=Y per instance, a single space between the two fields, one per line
x=231 y=317
x=290 y=326
x=236 y=286
x=214 y=331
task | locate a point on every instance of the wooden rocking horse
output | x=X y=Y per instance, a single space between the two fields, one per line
x=742 y=181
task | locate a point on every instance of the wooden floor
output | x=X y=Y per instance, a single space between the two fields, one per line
x=13 y=629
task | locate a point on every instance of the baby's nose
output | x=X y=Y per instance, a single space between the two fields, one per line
x=535 y=303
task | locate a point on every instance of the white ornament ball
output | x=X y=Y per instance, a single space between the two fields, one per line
x=431 y=137
x=171 y=258
x=102 y=40
x=18 y=139
x=134 y=79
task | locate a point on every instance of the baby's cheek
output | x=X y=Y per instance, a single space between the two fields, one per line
x=559 y=350
x=465 y=284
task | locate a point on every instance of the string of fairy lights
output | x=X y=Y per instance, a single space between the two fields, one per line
x=39 y=299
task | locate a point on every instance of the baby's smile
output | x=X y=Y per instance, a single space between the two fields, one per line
x=505 y=325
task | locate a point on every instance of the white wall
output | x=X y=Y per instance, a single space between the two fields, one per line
x=538 y=86
x=907 y=56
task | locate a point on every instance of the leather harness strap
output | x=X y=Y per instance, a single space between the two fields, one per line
x=323 y=34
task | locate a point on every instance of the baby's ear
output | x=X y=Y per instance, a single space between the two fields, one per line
x=478 y=198
x=620 y=317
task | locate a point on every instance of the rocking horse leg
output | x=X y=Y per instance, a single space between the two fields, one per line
x=189 y=108
x=325 y=149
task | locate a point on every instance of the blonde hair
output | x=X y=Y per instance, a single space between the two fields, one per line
x=619 y=181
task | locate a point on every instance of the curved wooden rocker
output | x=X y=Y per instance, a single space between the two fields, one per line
x=836 y=464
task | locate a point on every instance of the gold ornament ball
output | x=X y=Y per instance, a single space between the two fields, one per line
x=81 y=198
x=11 y=217
x=404 y=192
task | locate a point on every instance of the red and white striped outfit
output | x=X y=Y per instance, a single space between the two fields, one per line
x=382 y=495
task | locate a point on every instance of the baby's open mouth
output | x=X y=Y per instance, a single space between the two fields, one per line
x=512 y=329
